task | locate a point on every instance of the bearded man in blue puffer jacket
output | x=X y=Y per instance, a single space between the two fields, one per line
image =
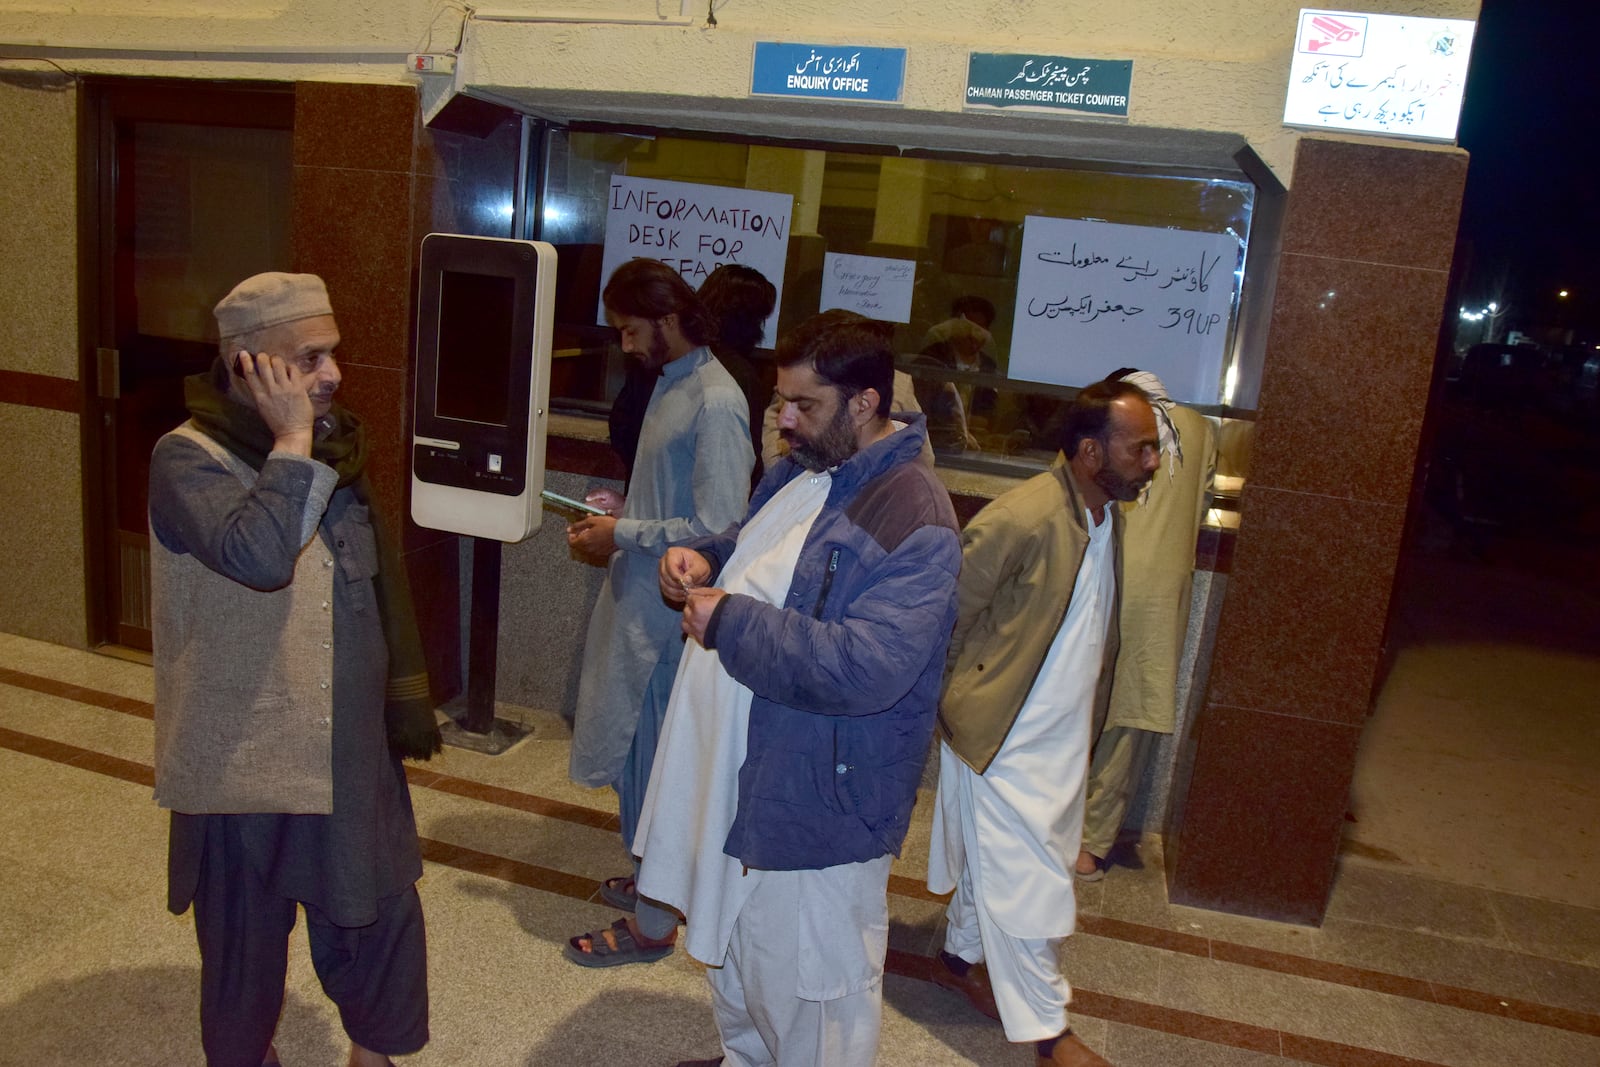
x=802 y=713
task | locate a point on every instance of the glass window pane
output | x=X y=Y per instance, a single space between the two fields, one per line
x=210 y=205
x=960 y=222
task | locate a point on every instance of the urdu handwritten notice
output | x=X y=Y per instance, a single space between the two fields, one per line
x=1387 y=74
x=1095 y=296
x=694 y=229
x=869 y=285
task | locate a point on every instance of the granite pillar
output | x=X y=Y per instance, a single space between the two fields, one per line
x=1265 y=773
x=363 y=185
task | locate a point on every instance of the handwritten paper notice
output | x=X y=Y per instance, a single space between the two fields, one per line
x=874 y=287
x=694 y=229
x=1095 y=296
x=1389 y=74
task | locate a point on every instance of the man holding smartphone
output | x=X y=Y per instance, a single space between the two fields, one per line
x=800 y=720
x=289 y=685
x=691 y=477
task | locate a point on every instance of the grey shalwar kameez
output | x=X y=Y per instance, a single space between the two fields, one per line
x=691 y=478
x=353 y=868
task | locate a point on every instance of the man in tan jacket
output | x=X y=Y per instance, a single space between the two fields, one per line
x=1158 y=541
x=1029 y=670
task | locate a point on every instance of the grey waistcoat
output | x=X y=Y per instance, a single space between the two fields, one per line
x=244 y=679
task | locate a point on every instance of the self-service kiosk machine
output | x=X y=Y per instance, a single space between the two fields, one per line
x=484 y=311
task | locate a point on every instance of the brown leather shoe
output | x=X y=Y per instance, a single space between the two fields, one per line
x=1070 y=1051
x=974 y=985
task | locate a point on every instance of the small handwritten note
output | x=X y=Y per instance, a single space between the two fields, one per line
x=874 y=287
x=1095 y=296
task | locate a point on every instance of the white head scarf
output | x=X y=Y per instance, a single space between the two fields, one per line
x=1171 y=440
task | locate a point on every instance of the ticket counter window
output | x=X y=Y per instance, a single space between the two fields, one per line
x=955 y=232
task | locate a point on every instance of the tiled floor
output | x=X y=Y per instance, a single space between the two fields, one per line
x=1407 y=969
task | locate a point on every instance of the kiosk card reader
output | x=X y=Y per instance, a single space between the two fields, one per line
x=484 y=311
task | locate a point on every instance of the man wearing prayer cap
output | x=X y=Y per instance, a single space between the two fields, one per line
x=289 y=685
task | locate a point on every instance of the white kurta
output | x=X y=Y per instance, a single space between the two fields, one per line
x=694 y=785
x=1018 y=825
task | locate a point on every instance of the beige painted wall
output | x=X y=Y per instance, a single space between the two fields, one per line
x=1220 y=66
x=41 y=540
x=38 y=241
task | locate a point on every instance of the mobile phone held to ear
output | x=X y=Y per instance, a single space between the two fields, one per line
x=572 y=505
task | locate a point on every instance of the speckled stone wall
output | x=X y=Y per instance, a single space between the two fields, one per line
x=1362 y=283
x=41 y=541
x=546 y=597
x=39 y=241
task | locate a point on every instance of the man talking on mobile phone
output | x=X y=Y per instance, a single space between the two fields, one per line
x=289 y=685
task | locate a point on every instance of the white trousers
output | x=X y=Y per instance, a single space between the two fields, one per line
x=1025 y=973
x=757 y=994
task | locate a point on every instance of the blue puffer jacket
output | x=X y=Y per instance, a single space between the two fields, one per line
x=846 y=673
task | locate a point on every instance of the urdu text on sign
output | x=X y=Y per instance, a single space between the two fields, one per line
x=1095 y=296
x=828 y=72
x=1093 y=86
x=1386 y=74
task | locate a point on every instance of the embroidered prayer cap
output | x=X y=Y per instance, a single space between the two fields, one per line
x=271 y=299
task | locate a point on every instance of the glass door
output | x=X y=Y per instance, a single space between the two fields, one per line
x=192 y=194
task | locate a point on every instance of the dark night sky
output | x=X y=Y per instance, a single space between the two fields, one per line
x=1532 y=211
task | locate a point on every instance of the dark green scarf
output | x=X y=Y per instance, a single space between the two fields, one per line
x=408 y=706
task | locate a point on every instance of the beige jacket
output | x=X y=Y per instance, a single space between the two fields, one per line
x=1019 y=562
x=1158 y=543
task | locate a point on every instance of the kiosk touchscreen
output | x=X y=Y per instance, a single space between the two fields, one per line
x=484 y=310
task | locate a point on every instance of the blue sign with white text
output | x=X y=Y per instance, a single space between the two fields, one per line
x=828 y=72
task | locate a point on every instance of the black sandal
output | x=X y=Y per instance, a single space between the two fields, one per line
x=621 y=893
x=627 y=948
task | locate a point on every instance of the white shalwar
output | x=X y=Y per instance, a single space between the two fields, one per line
x=803 y=991
x=1006 y=840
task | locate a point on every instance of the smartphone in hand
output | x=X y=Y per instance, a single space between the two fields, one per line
x=573 y=505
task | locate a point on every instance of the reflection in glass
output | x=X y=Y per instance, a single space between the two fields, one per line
x=960 y=222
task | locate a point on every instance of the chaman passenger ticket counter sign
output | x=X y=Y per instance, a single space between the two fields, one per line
x=1049 y=83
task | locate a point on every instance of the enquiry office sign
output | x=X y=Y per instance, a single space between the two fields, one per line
x=828 y=72
x=1097 y=86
